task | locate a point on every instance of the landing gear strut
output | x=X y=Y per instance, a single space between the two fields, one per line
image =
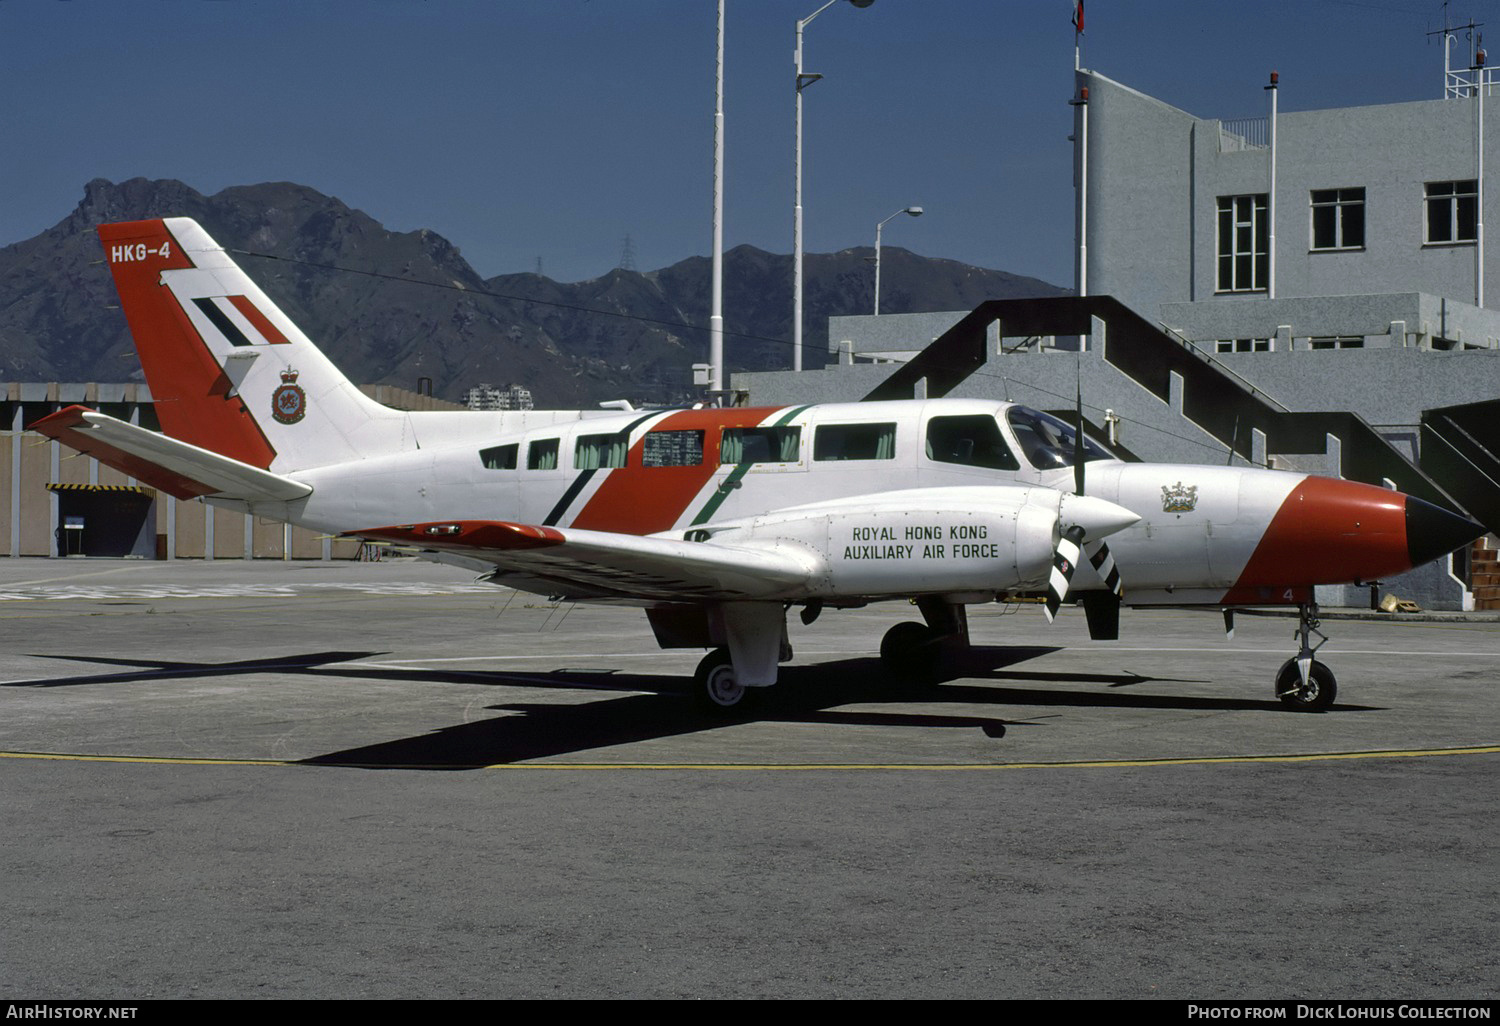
x=1303 y=683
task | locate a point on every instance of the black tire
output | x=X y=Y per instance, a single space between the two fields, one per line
x=911 y=650
x=1318 y=694
x=714 y=687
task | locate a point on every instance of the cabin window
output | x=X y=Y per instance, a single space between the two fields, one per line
x=855 y=442
x=973 y=441
x=672 y=449
x=595 y=451
x=500 y=457
x=542 y=455
x=760 y=445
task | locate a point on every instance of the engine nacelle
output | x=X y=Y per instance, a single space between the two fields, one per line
x=962 y=540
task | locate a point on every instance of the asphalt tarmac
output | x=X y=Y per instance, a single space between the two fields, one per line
x=231 y=779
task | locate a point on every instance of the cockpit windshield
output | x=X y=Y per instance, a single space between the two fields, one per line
x=1049 y=443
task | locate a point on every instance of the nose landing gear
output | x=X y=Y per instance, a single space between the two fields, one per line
x=1303 y=683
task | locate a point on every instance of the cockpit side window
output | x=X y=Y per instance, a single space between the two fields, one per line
x=854 y=442
x=971 y=441
x=1049 y=443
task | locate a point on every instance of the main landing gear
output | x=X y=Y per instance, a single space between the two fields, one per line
x=1302 y=683
x=715 y=687
x=915 y=651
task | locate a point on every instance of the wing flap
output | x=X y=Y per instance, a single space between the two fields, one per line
x=593 y=564
x=176 y=468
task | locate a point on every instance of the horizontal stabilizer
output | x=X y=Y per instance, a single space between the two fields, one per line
x=601 y=564
x=176 y=468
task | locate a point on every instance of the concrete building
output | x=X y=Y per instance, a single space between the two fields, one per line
x=1317 y=229
x=63 y=503
x=1303 y=265
x=485 y=396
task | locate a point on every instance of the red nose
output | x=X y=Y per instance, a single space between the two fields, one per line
x=1334 y=532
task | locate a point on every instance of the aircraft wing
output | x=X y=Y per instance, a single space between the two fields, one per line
x=603 y=565
x=177 y=468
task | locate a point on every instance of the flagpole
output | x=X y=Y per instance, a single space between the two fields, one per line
x=1077 y=34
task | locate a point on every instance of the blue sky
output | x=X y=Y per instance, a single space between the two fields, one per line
x=552 y=129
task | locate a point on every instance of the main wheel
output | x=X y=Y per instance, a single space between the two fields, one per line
x=715 y=686
x=1314 y=696
x=910 y=650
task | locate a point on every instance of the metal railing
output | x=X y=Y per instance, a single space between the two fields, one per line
x=1244 y=134
x=1466 y=82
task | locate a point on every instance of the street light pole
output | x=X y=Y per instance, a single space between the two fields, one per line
x=803 y=81
x=716 y=314
x=914 y=212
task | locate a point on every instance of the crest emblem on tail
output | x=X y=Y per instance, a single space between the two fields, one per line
x=289 y=402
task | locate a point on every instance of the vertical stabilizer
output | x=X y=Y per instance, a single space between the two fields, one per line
x=228 y=371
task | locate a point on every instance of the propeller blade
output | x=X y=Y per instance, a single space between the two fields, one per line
x=1064 y=562
x=1104 y=565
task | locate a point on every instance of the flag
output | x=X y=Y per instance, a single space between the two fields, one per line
x=1078 y=18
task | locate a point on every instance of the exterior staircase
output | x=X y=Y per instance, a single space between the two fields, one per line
x=1484 y=574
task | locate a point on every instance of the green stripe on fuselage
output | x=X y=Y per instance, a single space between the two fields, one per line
x=732 y=482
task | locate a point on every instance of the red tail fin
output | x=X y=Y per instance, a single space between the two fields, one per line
x=194 y=398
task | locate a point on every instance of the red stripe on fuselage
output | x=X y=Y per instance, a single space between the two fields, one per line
x=1326 y=532
x=189 y=389
x=635 y=499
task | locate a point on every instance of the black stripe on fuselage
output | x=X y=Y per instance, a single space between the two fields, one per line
x=583 y=478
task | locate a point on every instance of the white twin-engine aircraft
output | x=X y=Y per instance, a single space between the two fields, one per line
x=717 y=521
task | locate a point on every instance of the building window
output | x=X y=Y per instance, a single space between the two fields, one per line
x=1244 y=244
x=1243 y=345
x=1452 y=211
x=1338 y=218
x=1337 y=342
x=672 y=449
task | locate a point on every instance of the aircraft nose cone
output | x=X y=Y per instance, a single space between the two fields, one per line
x=1097 y=517
x=1432 y=532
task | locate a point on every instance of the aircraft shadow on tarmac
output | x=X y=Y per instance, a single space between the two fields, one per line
x=653 y=707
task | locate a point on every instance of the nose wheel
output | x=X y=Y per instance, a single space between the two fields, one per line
x=1303 y=683
x=1314 y=695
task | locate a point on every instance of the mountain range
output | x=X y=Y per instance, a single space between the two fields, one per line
x=393 y=307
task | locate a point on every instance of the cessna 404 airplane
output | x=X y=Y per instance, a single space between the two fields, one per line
x=717 y=521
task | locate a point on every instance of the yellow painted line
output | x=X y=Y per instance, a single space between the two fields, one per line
x=1415 y=753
